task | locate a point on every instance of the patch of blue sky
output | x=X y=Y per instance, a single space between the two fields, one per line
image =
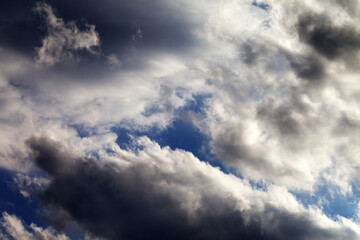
x=28 y=209
x=264 y=7
x=196 y=104
x=180 y=134
x=152 y=110
x=82 y=131
x=332 y=201
x=13 y=202
x=261 y=4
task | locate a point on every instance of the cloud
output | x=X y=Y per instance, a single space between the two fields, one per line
x=15 y=229
x=113 y=60
x=282 y=113
x=307 y=67
x=272 y=112
x=64 y=39
x=138 y=35
x=328 y=40
x=160 y=193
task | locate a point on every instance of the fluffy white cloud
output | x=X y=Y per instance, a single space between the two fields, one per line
x=279 y=95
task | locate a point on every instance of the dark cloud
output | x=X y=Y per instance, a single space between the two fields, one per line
x=126 y=203
x=247 y=54
x=285 y=225
x=307 y=67
x=327 y=39
x=49 y=156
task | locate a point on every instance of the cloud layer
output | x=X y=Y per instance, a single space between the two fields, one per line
x=280 y=116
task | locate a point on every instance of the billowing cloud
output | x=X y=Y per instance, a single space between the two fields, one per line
x=281 y=114
x=159 y=193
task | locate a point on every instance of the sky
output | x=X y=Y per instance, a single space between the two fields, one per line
x=207 y=119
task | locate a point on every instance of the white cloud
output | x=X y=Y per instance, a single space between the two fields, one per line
x=15 y=228
x=63 y=39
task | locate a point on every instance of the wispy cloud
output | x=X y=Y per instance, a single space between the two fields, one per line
x=15 y=229
x=64 y=39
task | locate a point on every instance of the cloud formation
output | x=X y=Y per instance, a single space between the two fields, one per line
x=281 y=117
x=160 y=193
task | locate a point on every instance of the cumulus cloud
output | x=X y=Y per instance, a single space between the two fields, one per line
x=274 y=115
x=64 y=39
x=160 y=193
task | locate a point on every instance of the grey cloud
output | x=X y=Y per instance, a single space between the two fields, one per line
x=126 y=204
x=247 y=54
x=298 y=227
x=351 y=6
x=327 y=39
x=307 y=67
x=49 y=155
x=280 y=117
x=230 y=146
x=143 y=201
x=346 y=126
